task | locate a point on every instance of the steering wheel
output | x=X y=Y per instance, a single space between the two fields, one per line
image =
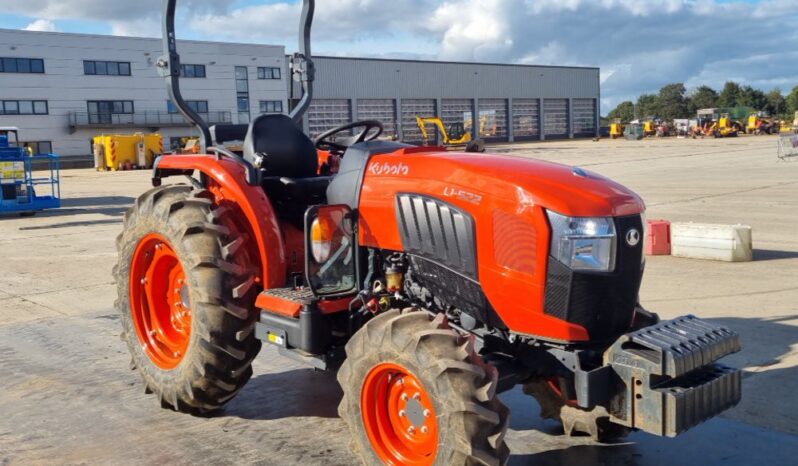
x=324 y=142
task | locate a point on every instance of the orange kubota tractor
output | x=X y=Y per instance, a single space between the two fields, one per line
x=431 y=281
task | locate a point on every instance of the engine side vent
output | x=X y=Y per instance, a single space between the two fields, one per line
x=437 y=231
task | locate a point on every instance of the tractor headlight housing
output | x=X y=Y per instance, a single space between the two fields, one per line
x=583 y=243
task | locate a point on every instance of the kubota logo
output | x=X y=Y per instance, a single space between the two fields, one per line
x=386 y=168
x=632 y=237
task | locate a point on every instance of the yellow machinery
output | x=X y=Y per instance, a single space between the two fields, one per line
x=649 y=128
x=454 y=135
x=616 y=129
x=126 y=151
x=760 y=124
x=725 y=127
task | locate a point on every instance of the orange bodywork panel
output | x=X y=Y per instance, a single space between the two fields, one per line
x=230 y=178
x=506 y=198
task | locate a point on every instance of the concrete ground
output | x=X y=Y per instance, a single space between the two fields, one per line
x=68 y=397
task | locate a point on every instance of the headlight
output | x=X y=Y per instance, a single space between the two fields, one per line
x=583 y=243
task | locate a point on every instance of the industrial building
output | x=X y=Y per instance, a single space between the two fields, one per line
x=62 y=89
x=514 y=102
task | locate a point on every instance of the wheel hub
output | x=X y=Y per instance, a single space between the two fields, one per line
x=399 y=416
x=160 y=302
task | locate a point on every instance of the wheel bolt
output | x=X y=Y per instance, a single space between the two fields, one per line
x=177 y=354
x=405 y=397
x=152 y=333
x=411 y=430
x=424 y=429
x=143 y=281
x=417 y=396
x=401 y=381
x=401 y=413
x=427 y=413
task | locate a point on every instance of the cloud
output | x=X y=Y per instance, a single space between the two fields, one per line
x=44 y=25
x=106 y=10
x=639 y=45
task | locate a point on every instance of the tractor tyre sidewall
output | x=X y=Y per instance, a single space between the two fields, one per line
x=213 y=370
x=448 y=395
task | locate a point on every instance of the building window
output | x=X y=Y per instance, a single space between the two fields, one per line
x=104 y=111
x=199 y=106
x=23 y=107
x=39 y=147
x=242 y=94
x=192 y=71
x=268 y=73
x=21 y=65
x=106 y=68
x=271 y=106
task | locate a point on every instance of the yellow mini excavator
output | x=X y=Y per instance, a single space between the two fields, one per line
x=454 y=135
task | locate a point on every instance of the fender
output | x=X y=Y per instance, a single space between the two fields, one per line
x=254 y=204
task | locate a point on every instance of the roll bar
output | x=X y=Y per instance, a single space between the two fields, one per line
x=169 y=68
x=301 y=64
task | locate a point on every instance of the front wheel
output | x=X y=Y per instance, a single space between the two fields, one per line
x=416 y=393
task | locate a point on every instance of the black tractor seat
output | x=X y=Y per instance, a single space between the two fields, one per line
x=300 y=190
x=276 y=146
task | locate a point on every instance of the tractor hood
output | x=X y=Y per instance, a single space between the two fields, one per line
x=568 y=190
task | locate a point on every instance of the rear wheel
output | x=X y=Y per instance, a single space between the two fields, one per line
x=185 y=282
x=416 y=393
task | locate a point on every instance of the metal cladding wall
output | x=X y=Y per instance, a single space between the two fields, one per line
x=489 y=87
x=68 y=89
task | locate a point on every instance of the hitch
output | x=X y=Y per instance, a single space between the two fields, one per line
x=670 y=377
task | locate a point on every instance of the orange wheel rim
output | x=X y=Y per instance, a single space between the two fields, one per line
x=159 y=301
x=399 y=416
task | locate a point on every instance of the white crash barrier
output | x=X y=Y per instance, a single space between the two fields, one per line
x=730 y=243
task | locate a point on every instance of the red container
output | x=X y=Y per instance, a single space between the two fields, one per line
x=658 y=242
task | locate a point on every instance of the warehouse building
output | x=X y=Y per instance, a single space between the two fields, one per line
x=62 y=89
x=514 y=102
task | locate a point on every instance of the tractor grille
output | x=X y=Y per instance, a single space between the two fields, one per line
x=603 y=303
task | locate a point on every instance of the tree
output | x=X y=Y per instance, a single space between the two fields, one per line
x=647 y=105
x=625 y=111
x=701 y=97
x=671 y=102
x=730 y=95
x=753 y=98
x=792 y=101
x=776 y=104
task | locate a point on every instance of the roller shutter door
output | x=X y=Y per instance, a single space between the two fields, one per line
x=526 y=118
x=326 y=114
x=457 y=111
x=382 y=110
x=584 y=117
x=493 y=118
x=411 y=108
x=556 y=119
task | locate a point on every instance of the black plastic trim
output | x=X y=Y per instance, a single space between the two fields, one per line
x=438 y=231
x=603 y=303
